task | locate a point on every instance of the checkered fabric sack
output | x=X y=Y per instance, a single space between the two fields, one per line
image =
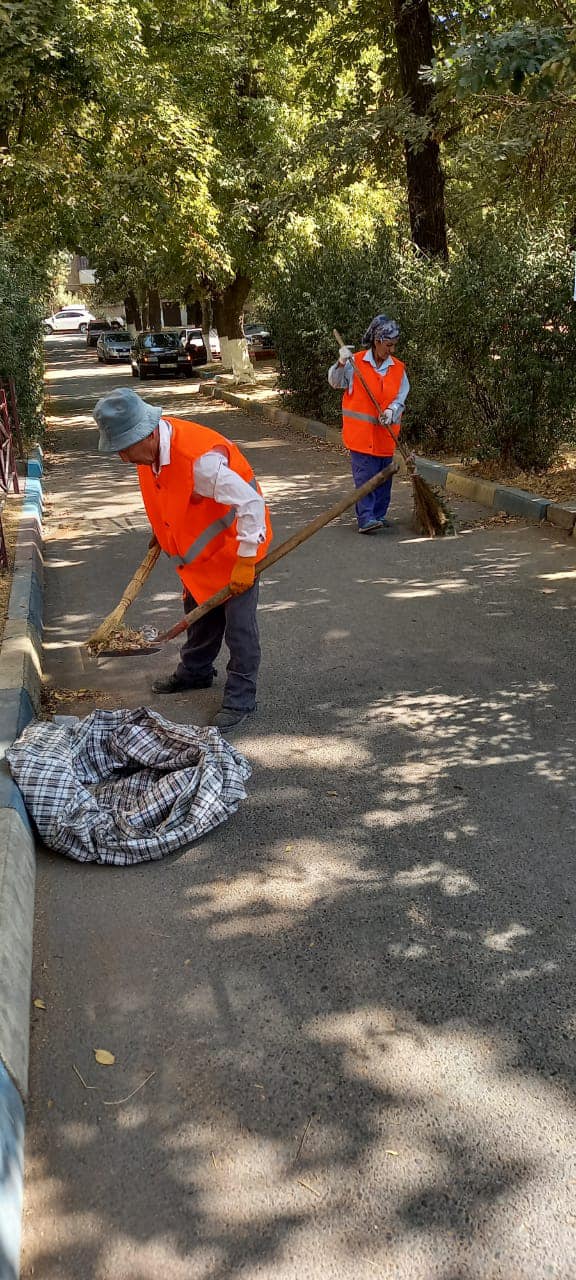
x=122 y=787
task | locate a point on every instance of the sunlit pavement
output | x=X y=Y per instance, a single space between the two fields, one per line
x=357 y=997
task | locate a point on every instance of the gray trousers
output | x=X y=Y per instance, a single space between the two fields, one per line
x=236 y=623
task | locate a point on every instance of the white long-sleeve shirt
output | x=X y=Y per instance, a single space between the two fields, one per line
x=213 y=478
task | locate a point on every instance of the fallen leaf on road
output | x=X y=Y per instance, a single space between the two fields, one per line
x=39 y=1004
x=392 y=1153
x=331 y=793
x=105 y=1058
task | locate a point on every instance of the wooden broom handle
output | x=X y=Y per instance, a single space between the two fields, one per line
x=113 y=620
x=284 y=549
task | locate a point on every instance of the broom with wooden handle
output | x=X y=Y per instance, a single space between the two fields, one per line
x=225 y=593
x=430 y=513
x=112 y=622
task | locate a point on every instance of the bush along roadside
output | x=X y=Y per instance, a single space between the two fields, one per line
x=22 y=285
x=489 y=339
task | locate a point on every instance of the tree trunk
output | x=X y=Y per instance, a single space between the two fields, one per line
x=425 y=179
x=132 y=312
x=228 y=308
x=154 y=310
x=143 y=308
x=207 y=321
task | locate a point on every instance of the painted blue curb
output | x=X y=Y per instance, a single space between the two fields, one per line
x=22 y=654
x=16 y=711
x=11 y=1176
x=517 y=502
x=435 y=473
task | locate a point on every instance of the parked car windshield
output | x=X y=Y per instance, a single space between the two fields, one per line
x=119 y=336
x=168 y=340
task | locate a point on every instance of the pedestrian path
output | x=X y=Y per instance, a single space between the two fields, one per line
x=342 y=1024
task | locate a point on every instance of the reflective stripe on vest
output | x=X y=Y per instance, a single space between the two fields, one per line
x=211 y=531
x=364 y=417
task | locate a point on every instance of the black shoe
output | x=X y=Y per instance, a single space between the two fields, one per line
x=175 y=683
x=229 y=717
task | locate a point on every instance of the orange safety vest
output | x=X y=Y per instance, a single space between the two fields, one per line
x=199 y=534
x=361 y=431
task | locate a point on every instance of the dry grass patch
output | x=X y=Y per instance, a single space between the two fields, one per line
x=558 y=482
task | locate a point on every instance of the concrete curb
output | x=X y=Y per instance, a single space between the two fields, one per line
x=20 y=685
x=11 y=1176
x=305 y=426
x=514 y=502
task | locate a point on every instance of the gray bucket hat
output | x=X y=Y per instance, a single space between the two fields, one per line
x=124 y=418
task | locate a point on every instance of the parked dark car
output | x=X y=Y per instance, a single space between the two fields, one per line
x=260 y=342
x=257 y=335
x=95 y=328
x=160 y=352
x=112 y=347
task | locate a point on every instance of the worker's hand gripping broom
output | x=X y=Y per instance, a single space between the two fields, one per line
x=431 y=515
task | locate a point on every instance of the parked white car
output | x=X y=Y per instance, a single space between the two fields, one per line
x=68 y=320
x=193 y=335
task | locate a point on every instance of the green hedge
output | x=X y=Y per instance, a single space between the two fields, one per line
x=22 y=285
x=489 y=341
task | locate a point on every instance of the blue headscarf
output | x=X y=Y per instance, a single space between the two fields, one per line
x=381 y=330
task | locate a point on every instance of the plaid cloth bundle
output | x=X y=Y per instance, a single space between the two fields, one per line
x=122 y=787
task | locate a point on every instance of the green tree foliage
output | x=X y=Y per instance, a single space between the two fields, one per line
x=526 y=58
x=508 y=89
x=489 y=340
x=23 y=285
x=214 y=146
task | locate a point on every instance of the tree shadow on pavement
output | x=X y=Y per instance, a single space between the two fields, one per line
x=356 y=998
x=358 y=1009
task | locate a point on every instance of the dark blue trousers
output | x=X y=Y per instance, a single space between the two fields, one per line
x=375 y=506
x=236 y=623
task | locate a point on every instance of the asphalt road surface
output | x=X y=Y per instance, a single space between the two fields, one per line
x=353 y=1005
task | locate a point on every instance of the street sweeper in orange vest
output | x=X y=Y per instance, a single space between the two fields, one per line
x=363 y=429
x=208 y=514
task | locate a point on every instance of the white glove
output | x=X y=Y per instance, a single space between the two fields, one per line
x=386 y=419
x=344 y=354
